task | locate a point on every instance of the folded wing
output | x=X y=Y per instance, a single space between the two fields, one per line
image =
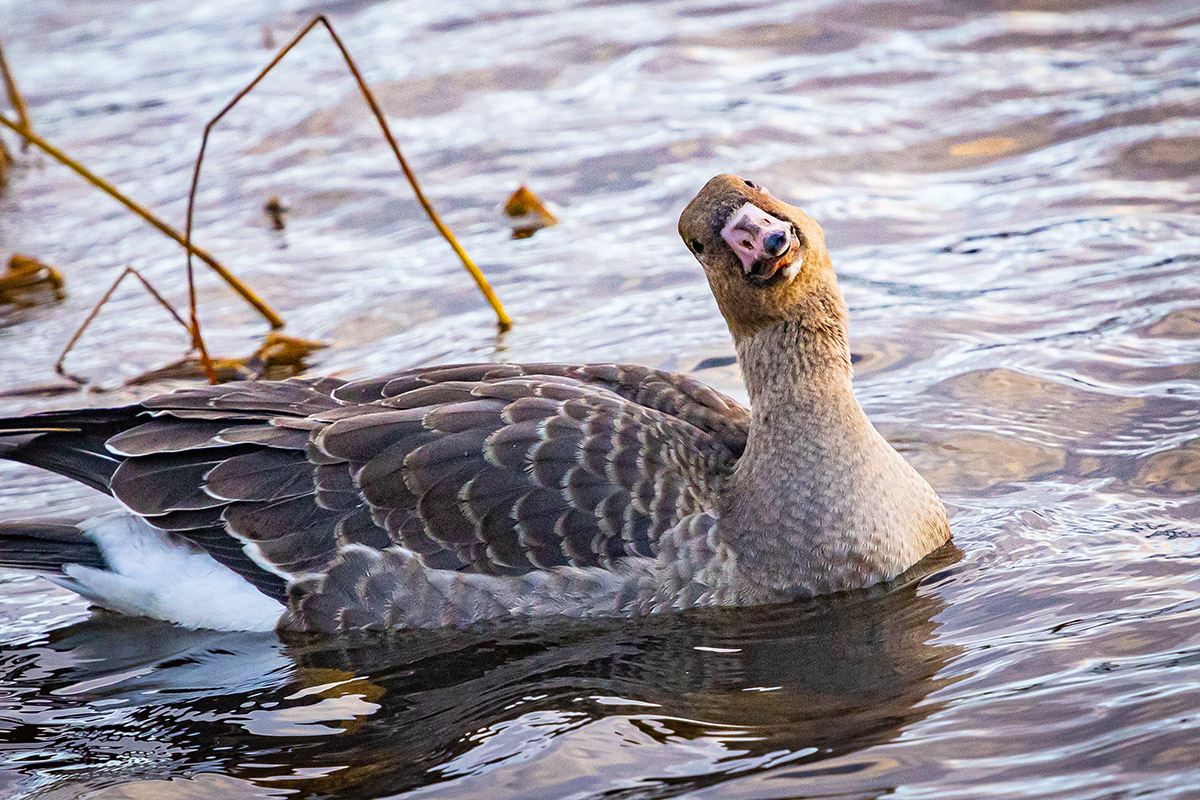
x=493 y=469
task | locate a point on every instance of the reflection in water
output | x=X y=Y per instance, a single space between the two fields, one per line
x=374 y=716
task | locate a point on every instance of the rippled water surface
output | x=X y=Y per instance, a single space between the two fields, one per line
x=1009 y=189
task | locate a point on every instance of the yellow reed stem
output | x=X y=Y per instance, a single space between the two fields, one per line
x=58 y=155
x=14 y=94
x=503 y=321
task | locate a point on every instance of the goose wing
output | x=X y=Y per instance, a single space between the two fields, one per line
x=493 y=469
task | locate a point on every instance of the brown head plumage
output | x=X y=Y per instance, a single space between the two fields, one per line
x=765 y=260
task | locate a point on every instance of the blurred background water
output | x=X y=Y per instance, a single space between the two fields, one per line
x=1009 y=190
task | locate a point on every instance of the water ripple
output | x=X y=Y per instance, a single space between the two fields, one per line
x=1010 y=193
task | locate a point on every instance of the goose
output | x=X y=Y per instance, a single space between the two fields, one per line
x=449 y=495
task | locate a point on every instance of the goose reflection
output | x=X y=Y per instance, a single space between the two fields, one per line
x=738 y=689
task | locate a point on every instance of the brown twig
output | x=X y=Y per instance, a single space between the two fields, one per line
x=58 y=155
x=58 y=365
x=14 y=94
x=6 y=162
x=503 y=321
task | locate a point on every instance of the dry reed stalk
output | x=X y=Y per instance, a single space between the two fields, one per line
x=6 y=163
x=24 y=129
x=58 y=365
x=276 y=358
x=503 y=321
x=14 y=94
x=234 y=282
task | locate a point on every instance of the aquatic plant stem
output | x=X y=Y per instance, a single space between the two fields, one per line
x=58 y=155
x=58 y=365
x=503 y=321
x=14 y=94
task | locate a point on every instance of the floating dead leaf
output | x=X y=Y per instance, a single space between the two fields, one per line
x=982 y=148
x=275 y=210
x=26 y=278
x=278 y=357
x=527 y=213
x=280 y=352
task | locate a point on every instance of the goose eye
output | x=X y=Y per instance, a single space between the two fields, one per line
x=696 y=246
x=751 y=184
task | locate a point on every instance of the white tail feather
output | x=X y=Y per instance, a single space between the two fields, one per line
x=152 y=576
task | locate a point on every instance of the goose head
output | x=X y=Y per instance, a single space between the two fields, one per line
x=765 y=260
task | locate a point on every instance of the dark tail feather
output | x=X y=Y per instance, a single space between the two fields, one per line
x=70 y=443
x=45 y=546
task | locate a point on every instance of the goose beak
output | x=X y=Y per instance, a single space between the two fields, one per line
x=764 y=244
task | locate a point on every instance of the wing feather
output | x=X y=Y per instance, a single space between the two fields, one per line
x=168 y=436
x=157 y=484
x=267 y=474
x=496 y=469
x=293 y=534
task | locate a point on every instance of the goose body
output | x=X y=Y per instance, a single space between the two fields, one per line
x=451 y=494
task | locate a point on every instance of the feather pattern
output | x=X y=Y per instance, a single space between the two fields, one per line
x=484 y=469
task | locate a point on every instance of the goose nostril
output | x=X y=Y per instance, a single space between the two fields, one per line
x=776 y=244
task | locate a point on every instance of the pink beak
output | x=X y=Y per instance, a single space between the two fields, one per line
x=760 y=240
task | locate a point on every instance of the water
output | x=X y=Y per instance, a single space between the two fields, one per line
x=1009 y=191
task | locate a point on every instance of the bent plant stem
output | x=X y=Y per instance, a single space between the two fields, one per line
x=234 y=282
x=503 y=321
x=14 y=94
x=62 y=357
